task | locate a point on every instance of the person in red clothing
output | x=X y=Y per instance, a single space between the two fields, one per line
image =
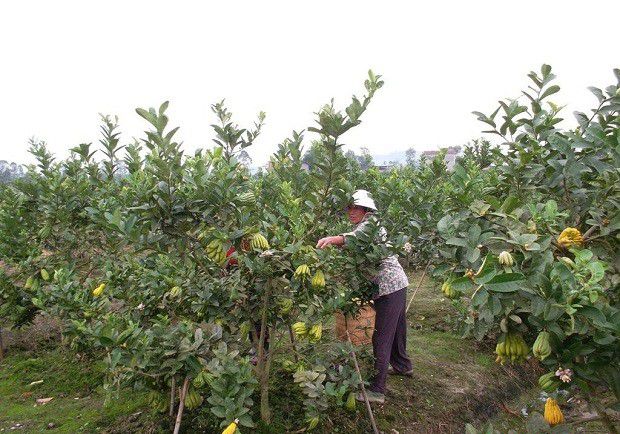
x=231 y=261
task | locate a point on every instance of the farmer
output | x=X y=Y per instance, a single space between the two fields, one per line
x=390 y=335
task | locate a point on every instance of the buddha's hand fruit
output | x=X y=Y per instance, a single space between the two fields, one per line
x=285 y=304
x=259 y=242
x=541 y=347
x=246 y=198
x=553 y=414
x=192 y=399
x=98 y=290
x=175 y=291
x=511 y=347
x=449 y=291
x=232 y=428
x=288 y=365
x=300 y=329
x=315 y=333
x=302 y=272
x=203 y=378
x=318 y=280
x=568 y=262
x=505 y=259
x=215 y=252
x=570 y=237
x=313 y=422
x=158 y=401
x=350 y=404
x=548 y=382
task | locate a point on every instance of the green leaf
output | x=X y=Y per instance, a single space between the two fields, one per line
x=480 y=298
x=597 y=270
x=510 y=204
x=485 y=276
x=462 y=284
x=473 y=254
x=508 y=282
x=592 y=313
x=550 y=91
x=454 y=241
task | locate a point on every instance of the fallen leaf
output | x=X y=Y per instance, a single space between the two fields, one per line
x=35 y=383
x=44 y=400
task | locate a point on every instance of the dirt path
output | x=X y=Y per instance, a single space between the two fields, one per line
x=455 y=380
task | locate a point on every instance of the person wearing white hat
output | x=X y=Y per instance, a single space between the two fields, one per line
x=389 y=339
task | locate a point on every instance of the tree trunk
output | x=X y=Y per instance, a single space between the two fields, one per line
x=264 y=360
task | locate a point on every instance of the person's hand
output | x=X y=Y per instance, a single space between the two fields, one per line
x=330 y=241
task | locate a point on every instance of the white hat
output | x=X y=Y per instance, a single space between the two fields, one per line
x=362 y=198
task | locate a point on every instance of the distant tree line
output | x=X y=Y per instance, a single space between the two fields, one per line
x=10 y=171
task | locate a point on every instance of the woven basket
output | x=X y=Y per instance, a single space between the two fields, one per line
x=360 y=327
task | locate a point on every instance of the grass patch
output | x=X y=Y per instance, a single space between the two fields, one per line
x=78 y=401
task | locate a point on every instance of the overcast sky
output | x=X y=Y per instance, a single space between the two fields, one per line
x=63 y=62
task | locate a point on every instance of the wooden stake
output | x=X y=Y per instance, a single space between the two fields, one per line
x=357 y=368
x=172 y=396
x=177 y=425
x=1 y=345
x=418 y=287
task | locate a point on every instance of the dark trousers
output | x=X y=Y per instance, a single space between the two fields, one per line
x=389 y=340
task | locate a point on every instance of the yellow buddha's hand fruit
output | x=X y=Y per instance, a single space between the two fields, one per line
x=553 y=414
x=449 y=291
x=215 y=251
x=300 y=329
x=570 y=237
x=318 y=280
x=302 y=272
x=259 y=242
x=315 y=333
x=230 y=429
x=511 y=347
x=98 y=290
